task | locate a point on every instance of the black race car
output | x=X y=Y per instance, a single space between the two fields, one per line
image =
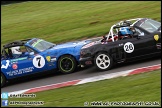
x=126 y=41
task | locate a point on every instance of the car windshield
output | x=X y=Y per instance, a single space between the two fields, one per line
x=43 y=45
x=150 y=25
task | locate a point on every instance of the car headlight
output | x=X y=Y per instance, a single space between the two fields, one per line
x=85 y=53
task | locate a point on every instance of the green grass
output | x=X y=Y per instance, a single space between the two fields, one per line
x=62 y=21
x=144 y=87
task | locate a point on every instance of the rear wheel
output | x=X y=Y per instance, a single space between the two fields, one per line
x=103 y=61
x=3 y=80
x=67 y=64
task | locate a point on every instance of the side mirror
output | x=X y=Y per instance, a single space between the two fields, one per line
x=141 y=34
x=31 y=53
x=135 y=35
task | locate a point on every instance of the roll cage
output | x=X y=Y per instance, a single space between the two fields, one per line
x=6 y=51
x=113 y=33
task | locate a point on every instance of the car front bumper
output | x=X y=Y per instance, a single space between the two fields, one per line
x=88 y=61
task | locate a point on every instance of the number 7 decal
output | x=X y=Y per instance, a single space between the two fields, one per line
x=38 y=61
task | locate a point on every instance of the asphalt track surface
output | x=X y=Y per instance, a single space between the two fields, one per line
x=53 y=78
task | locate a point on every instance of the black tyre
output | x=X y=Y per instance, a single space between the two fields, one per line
x=3 y=80
x=66 y=64
x=103 y=61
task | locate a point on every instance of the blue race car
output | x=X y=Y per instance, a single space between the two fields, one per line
x=37 y=55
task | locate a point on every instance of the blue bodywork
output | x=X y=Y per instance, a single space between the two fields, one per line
x=39 y=61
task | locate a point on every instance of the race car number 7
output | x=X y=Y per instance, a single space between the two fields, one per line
x=38 y=61
x=128 y=47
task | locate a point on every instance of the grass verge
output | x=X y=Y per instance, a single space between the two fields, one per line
x=62 y=21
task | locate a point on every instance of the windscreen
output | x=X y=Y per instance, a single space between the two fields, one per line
x=41 y=44
x=150 y=25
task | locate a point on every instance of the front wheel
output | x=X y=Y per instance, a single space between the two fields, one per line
x=66 y=64
x=103 y=61
x=3 y=80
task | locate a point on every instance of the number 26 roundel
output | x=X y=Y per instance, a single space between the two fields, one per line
x=128 y=47
x=38 y=61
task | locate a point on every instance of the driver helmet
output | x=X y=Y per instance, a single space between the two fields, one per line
x=125 y=31
x=16 y=50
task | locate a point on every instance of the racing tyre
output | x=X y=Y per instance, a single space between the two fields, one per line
x=66 y=64
x=3 y=80
x=103 y=61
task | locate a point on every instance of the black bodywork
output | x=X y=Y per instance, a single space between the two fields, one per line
x=144 y=46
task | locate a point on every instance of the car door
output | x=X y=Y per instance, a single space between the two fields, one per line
x=127 y=48
x=27 y=65
x=135 y=47
x=146 y=42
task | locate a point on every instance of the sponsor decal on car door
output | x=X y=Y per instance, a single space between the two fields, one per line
x=26 y=65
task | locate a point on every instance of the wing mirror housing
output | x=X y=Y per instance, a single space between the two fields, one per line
x=135 y=35
x=141 y=34
x=28 y=53
x=31 y=53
